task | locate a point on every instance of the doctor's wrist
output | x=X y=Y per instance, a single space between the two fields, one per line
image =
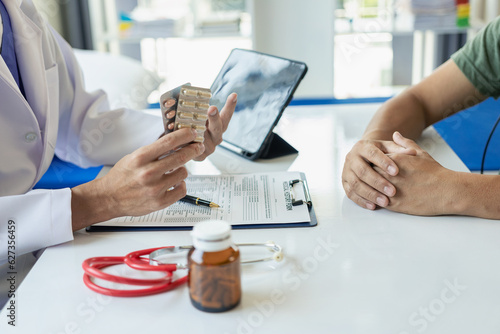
x=90 y=205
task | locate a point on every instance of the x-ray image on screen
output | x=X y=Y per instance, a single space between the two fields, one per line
x=264 y=85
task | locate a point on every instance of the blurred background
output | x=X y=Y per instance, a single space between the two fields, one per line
x=353 y=48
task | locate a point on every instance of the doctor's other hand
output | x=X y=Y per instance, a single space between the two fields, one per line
x=217 y=124
x=139 y=183
x=362 y=184
x=424 y=187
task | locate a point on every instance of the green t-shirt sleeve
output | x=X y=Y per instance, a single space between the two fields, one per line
x=479 y=60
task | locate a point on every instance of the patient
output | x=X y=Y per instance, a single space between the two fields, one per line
x=387 y=169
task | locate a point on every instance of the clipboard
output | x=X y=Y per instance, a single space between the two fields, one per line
x=299 y=200
x=295 y=202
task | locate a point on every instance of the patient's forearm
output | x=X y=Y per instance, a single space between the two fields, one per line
x=403 y=113
x=477 y=195
x=443 y=93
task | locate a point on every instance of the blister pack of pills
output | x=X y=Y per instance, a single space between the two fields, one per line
x=191 y=106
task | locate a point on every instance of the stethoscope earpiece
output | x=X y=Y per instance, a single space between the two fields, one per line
x=278 y=256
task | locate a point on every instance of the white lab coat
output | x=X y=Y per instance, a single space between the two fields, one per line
x=58 y=117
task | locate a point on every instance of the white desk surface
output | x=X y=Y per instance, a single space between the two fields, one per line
x=358 y=271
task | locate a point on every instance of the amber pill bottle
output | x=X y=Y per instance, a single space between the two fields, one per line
x=214 y=277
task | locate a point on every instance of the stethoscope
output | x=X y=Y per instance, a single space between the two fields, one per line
x=94 y=266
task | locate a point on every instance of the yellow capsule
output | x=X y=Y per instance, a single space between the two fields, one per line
x=199 y=139
x=183 y=125
x=196 y=93
x=203 y=94
x=183 y=114
x=189 y=92
x=199 y=127
x=201 y=117
x=201 y=105
x=190 y=104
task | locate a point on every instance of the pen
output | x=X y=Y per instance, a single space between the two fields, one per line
x=198 y=201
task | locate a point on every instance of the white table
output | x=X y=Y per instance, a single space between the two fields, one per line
x=358 y=271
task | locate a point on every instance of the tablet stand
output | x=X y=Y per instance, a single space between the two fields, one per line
x=276 y=147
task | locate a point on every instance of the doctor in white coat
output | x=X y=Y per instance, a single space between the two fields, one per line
x=48 y=112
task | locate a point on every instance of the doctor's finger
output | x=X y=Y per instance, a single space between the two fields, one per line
x=178 y=158
x=163 y=146
x=171 y=195
x=215 y=126
x=218 y=122
x=228 y=110
x=170 y=180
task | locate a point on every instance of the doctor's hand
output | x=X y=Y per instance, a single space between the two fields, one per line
x=139 y=183
x=362 y=184
x=216 y=124
x=423 y=186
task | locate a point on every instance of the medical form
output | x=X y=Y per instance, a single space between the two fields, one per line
x=256 y=198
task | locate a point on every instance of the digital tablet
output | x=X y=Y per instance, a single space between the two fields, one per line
x=265 y=85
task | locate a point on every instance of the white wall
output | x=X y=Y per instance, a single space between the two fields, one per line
x=300 y=30
x=483 y=11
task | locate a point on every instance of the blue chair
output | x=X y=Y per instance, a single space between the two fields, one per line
x=467 y=132
x=62 y=174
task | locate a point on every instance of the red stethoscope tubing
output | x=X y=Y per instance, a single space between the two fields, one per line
x=134 y=260
x=93 y=269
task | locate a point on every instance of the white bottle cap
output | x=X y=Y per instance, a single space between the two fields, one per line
x=212 y=235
